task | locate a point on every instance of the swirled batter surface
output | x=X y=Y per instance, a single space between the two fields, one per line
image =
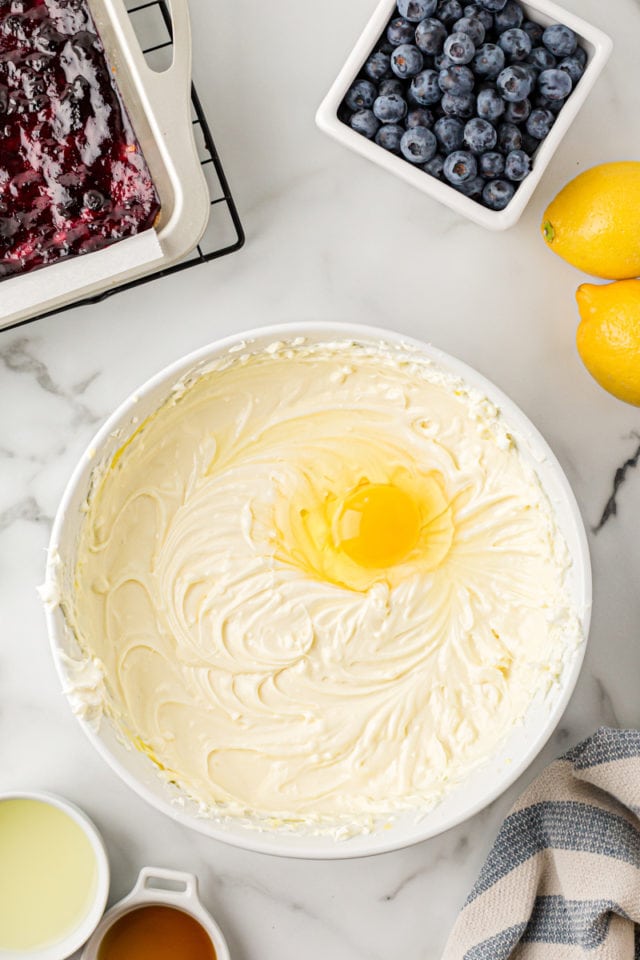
x=322 y=583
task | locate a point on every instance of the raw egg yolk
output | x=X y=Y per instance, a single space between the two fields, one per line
x=377 y=525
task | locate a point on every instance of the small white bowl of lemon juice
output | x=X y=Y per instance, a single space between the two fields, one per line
x=54 y=877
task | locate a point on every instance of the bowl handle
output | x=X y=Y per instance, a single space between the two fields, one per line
x=169 y=885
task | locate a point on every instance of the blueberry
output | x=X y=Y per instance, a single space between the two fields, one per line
x=573 y=67
x=416 y=10
x=459 y=48
x=517 y=112
x=442 y=62
x=458 y=106
x=542 y=58
x=516 y=44
x=514 y=83
x=472 y=27
x=489 y=60
x=425 y=88
x=510 y=17
x=435 y=167
x=450 y=133
x=400 y=31
x=460 y=166
x=449 y=11
x=418 y=145
x=493 y=5
x=540 y=122
x=419 y=117
x=389 y=108
x=377 y=66
x=364 y=122
x=479 y=13
x=555 y=84
x=471 y=188
x=561 y=40
x=517 y=165
x=491 y=164
x=386 y=47
x=389 y=86
x=497 y=194
x=531 y=70
x=456 y=80
x=389 y=137
x=430 y=36
x=535 y=32
x=406 y=61
x=581 y=55
x=490 y=105
x=529 y=144
x=509 y=137
x=555 y=106
x=360 y=95
x=480 y=135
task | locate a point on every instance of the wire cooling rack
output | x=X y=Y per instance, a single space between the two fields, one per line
x=224 y=234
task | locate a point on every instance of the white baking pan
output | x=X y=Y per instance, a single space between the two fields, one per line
x=159 y=106
x=476 y=791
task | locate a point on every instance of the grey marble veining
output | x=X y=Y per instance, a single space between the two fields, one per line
x=329 y=237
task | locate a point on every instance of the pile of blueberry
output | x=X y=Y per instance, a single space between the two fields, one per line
x=466 y=93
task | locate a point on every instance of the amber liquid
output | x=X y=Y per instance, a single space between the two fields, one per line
x=156 y=933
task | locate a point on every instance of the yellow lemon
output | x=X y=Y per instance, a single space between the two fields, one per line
x=609 y=336
x=593 y=223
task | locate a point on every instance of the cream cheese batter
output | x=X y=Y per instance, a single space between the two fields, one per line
x=280 y=649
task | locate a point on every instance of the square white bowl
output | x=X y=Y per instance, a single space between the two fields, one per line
x=598 y=47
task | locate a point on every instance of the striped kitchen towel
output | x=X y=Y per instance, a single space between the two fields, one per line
x=563 y=879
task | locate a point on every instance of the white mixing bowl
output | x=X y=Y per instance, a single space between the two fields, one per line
x=484 y=784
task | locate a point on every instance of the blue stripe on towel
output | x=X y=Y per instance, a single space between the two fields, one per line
x=605 y=746
x=584 y=923
x=498 y=947
x=565 y=825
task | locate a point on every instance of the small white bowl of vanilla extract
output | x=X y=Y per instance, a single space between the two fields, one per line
x=161 y=919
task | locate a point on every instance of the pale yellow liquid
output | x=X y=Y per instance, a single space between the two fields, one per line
x=48 y=875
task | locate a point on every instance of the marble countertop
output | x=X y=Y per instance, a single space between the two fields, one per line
x=328 y=237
